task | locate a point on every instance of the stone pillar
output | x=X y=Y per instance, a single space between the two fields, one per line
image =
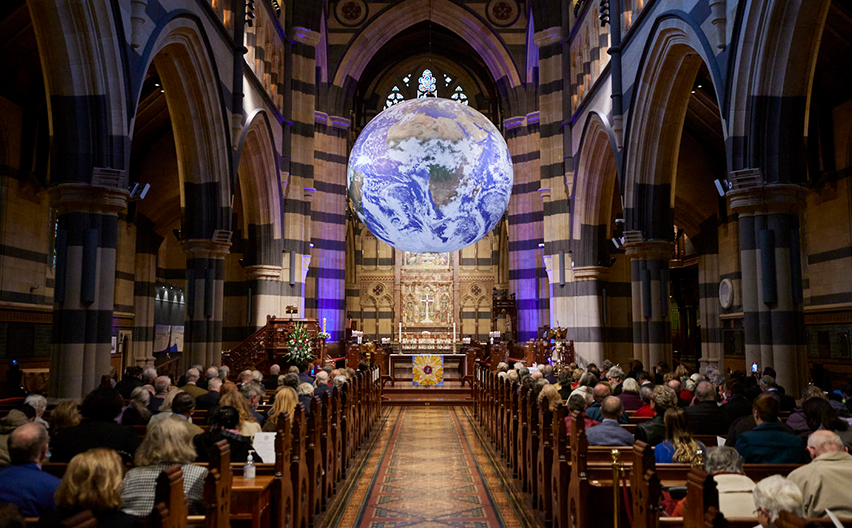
x=589 y=326
x=86 y=240
x=525 y=222
x=205 y=291
x=328 y=222
x=265 y=284
x=711 y=324
x=770 y=255
x=145 y=290
x=649 y=279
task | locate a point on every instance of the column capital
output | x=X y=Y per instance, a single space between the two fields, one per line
x=548 y=36
x=305 y=36
x=205 y=248
x=780 y=198
x=590 y=273
x=263 y=272
x=650 y=249
x=87 y=198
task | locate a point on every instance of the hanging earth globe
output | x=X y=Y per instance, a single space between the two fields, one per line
x=430 y=175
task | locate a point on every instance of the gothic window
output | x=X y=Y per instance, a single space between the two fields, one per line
x=459 y=96
x=426 y=85
x=407 y=80
x=447 y=80
x=394 y=97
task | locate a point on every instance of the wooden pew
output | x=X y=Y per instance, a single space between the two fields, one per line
x=544 y=497
x=299 y=470
x=532 y=446
x=284 y=507
x=327 y=447
x=314 y=458
x=170 y=506
x=217 y=489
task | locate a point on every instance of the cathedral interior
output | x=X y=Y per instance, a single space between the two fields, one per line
x=173 y=172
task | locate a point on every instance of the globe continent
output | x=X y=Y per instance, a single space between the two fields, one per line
x=430 y=175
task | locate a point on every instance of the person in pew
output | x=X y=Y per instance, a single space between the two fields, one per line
x=643 y=377
x=616 y=376
x=93 y=482
x=39 y=403
x=769 y=443
x=704 y=416
x=826 y=482
x=547 y=370
x=271 y=381
x=321 y=384
x=679 y=446
x=306 y=394
x=563 y=384
x=630 y=395
x=819 y=414
x=579 y=401
x=224 y=426
x=737 y=404
x=136 y=411
x=183 y=406
x=676 y=386
x=653 y=431
x=245 y=377
x=773 y=495
x=734 y=487
x=167 y=443
x=796 y=420
x=64 y=416
x=645 y=410
x=165 y=409
x=285 y=402
x=609 y=432
x=209 y=374
x=292 y=380
x=601 y=391
x=8 y=424
x=209 y=400
x=549 y=396
x=248 y=425
x=253 y=393
x=97 y=429
x=191 y=387
x=305 y=374
x=132 y=379
x=23 y=483
x=161 y=391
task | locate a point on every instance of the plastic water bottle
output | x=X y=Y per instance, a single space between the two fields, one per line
x=249 y=468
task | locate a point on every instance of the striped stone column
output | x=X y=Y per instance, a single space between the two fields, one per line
x=588 y=313
x=205 y=285
x=145 y=290
x=86 y=240
x=263 y=286
x=525 y=223
x=300 y=188
x=328 y=223
x=554 y=193
x=710 y=310
x=649 y=279
x=770 y=256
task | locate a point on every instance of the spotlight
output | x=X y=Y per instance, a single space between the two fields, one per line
x=699 y=86
x=693 y=91
x=616 y=243
x=719 y=188
x=541 y=245
x=157 y=85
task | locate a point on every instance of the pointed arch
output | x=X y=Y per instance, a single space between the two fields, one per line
x=444 y=12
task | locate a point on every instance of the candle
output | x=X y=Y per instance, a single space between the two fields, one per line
x=454 y=332
x=400 y=332
x=323 y=325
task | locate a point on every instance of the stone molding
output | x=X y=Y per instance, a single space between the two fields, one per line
x=650 y=250
x=263 y=272
x=548 y=36
x=306 y=36
x=590 y=273
x=87 y=198
x=783 y=198
x=205 y=248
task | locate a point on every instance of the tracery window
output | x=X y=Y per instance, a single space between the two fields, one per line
x=426 y=85
x=459 y=96
x=394 y=97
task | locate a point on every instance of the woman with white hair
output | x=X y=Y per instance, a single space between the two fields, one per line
x=39 y=403
x=773 y=495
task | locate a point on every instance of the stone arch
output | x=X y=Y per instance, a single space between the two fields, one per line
x=670 y=62
x=81 y=50
x=258 y=172
x=444 y=12
x=594 y=188
x=189 y=76
x=774 y=57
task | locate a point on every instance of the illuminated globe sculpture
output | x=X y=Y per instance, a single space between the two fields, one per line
x=430 y=175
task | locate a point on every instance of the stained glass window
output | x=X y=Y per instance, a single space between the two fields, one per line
x=447 y=80
x=394 y=97
x=406 y=80
x=426 y=85
x=459 y=95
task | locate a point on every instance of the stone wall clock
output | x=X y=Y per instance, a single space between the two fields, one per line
x=726 y=293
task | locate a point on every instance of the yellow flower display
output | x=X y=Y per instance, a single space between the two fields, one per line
x=428 y=370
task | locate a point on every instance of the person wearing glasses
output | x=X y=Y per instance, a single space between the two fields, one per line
x=773 y=495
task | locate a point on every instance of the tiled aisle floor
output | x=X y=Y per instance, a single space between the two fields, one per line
x=427 y=469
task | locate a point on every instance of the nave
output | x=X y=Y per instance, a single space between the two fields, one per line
x=428 y=467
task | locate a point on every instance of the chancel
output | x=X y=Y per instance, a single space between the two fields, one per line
x=353 y=240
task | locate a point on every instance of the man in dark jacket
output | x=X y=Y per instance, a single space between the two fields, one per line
x=769 y=443
x=704 y=417
x=210 y=399
x=738 y=405
x=654 y=431
x=98 y=429
x=132 y=379
x=271 y=381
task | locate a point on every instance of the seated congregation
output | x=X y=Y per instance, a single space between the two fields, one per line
x=688 y=449
x=128 y=455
